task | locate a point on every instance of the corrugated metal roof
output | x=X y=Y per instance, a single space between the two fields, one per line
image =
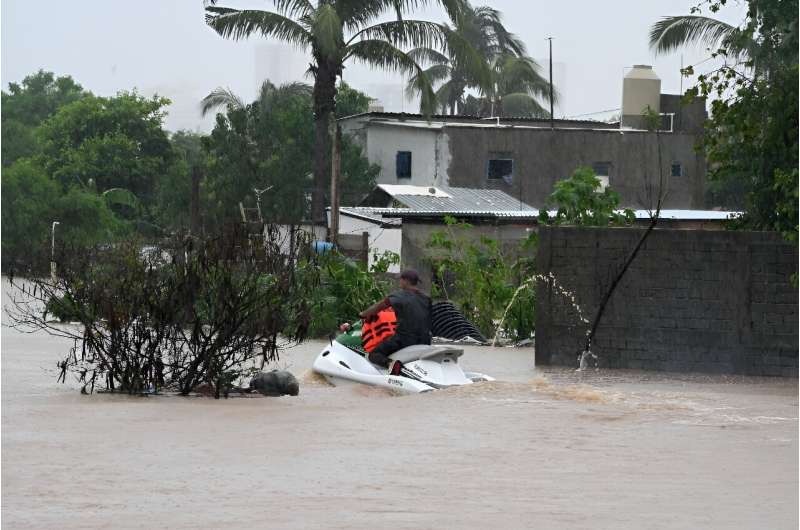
x=375 y=215
x=461 y=199
x=533 y=213
x=460 y=118
x=405 y=189
x=509 y=209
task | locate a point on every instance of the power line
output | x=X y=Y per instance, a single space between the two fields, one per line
x=593 y=113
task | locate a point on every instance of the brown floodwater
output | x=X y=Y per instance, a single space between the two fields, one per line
x=539 y=448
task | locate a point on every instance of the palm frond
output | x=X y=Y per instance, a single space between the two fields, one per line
x=432 y=75
x=270 y=96
x=521 y=105
x=470 y=63
x=521 y=75
x=220 y=97
x=671 y=33
x=490 y=22
x=122 y=196
x=449 y=93
x=385 y=56
x=235 y=24
x=294 y=8
x=428 y=56
x=358 y=13
x=405 y=33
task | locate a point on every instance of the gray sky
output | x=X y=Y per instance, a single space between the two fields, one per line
x=164 y=47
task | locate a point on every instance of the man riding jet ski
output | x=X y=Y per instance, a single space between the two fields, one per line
x=412 y=308
x=396 y=336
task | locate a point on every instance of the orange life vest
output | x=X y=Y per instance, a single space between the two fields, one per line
x=378 y=328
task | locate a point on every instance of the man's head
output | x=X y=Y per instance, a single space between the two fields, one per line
x=409 y=278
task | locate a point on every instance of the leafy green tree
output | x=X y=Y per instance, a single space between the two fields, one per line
x=350 y=101
x=265 y=145
x=579 y=201
x=32 y=201
x=173 y=190
x=336 y=32
x=102 y=143
x=751 y=139
x=485 y=279
x=27 y=104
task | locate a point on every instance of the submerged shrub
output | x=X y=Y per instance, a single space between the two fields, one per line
x=187 y=311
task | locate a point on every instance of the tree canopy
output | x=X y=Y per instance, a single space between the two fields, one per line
x=266 y=144
x=752 y=137
x=27 y=104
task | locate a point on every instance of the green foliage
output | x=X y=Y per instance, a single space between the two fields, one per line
x=267 y=143
x=508 y=80
x=28 y=198
x=752 y=137
x=347 y=288
x=350 y=101
x=103 y=143
x=172 y=203
x=19 y=141
x=90 y=163
x=578 y=201
x=480 y=277
x=32 y=201
x=336 y=33
x=26 y=105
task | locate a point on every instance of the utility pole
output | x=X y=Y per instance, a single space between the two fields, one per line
x=336 y=168
x=53 y=251
x=552 y=125
x=195 y=202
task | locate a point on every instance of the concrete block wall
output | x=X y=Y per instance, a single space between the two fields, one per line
x=700 y=301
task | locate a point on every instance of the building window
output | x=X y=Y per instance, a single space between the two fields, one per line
x=602 y=169
x=500 y=166
x=403 y=166
x=677 y=169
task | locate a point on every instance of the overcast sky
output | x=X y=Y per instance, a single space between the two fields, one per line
x=164 y=47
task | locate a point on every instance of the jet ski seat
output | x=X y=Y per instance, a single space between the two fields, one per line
x=424 y=351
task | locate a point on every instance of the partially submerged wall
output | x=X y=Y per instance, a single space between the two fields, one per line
x=718 y=302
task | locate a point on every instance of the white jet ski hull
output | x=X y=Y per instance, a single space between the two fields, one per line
x=341 y=366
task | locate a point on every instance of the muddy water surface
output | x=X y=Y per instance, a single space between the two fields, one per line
x=536 y=449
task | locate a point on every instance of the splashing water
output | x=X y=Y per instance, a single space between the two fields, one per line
x=583 y=363
x=549 y=279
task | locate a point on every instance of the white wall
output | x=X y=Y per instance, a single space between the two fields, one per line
x=383 y=143
x=380 y=239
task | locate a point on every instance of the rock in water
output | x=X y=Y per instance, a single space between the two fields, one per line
x=275 y=383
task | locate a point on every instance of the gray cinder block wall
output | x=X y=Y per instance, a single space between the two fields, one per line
x=716 y=302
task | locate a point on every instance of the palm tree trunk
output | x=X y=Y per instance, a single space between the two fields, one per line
x=324 y=106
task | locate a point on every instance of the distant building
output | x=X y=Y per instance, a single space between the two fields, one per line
x=525 y=157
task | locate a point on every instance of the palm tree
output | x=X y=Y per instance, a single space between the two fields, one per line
x=517 y=85
x=268 y=97
x=513 y=75
x=671 y=33
x=335 y=32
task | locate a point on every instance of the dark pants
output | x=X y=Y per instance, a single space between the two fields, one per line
x=380 y=355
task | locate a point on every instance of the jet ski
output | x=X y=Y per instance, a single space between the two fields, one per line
x=425 y=367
